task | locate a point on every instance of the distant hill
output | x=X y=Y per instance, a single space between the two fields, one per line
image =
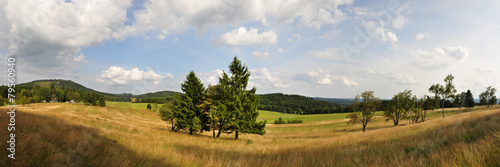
x=341 y=101
x=297 y=104
x=60 y=83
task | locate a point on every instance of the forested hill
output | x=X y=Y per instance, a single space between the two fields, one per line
x=68 y=84
x=297 y=104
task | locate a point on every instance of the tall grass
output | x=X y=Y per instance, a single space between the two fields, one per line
x=53 y=134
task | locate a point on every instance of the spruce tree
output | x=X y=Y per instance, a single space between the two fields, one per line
x=469 y=100
x=188 y=115
x=242 y=103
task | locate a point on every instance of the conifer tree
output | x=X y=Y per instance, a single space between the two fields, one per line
x=242 y=103
x=469 y=100
x=187 y=114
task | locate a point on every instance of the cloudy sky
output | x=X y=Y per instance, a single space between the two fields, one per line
x=320 y=48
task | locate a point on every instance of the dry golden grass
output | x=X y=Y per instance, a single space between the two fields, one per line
x=77 y=135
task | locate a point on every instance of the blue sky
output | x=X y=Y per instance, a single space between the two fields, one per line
x=334 y=48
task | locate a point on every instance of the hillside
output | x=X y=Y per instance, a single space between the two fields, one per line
x=77 y=135
x=60 y=83
x=297 y=104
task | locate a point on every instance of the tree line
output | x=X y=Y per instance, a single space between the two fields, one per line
x=227 y=107
x=404 y=105
x=38 y=94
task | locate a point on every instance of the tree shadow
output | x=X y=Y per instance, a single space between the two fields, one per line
x=47 y=141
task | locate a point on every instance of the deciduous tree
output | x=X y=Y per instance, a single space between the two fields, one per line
x=399 y=106
x=363 y=107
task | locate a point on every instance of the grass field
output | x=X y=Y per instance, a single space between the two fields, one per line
x=137 y=106
x=78 y=135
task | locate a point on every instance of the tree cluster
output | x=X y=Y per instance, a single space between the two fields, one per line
x=488 y=97
x=227 y=107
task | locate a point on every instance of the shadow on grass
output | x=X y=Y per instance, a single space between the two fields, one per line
x=48 y=141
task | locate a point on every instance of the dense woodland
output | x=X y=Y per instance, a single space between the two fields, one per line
x=296 y=104
x=37 y=93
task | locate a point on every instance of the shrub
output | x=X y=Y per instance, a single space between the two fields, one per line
x=293 y=121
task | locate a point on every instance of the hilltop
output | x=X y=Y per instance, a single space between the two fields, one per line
x=60 y=83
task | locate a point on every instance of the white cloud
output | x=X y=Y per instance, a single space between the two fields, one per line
x=166 y=17
x=321 y=77
x=440 y=57
x=330 y=53
x=119 y=76
x=211 y=78
x=399 y=22
x=49 y=35
x=257 y=55
x=280 y=50
x=261 y=77
x=421 y=36
x=377 y=30
x=459 y=53
x=241 y=36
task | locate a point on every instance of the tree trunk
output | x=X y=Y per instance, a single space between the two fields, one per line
x=443 y=106
x=213 y=133
x=190 y=131
x=236 y=135
x=364 y=127
x=220 y=130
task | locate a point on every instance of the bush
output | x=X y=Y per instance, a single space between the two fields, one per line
x=293 y=121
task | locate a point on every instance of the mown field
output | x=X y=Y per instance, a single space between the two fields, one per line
x=117 y=135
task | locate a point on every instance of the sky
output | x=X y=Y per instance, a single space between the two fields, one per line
x=320 y=48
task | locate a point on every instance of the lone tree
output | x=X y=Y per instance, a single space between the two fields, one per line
x=364 y=107
x=469 y=100
x=488 y=97
x=148 y=107
x=445 y=91
x=399 y=106
x=185 y=111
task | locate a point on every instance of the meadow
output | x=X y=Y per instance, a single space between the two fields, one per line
x=122 y=134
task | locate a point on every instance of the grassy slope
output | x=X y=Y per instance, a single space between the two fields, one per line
x=137 y=106
x=78 y=135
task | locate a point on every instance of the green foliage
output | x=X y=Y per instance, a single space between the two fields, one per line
x=149 y=107
x=44 y=93
x=399 y=106
x=363 y=108
x=188 y=115
x=488 y=97
x=296 y=104
x=239 y=101
x=469 y=100
x=445 y=91
x=293 y=121
x=22 y=100
x=167 y=114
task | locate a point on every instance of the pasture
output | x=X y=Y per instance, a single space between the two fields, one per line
x=63 y=134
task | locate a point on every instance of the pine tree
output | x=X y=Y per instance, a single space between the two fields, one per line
x=187 y=114
x=469 y=100
x=242 y=103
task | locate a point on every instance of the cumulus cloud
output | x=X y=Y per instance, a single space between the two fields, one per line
x=280 y=50
x=210 y=78
x=241 y=36
x=119 y=76
x=421 y=36
x=322 y=77
x=261 y=77
x=330 y=53
x=377 y=30
x=459 y=53
x=48 y=35
x=166 y=17
x=257 y=55
x=440 y=57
